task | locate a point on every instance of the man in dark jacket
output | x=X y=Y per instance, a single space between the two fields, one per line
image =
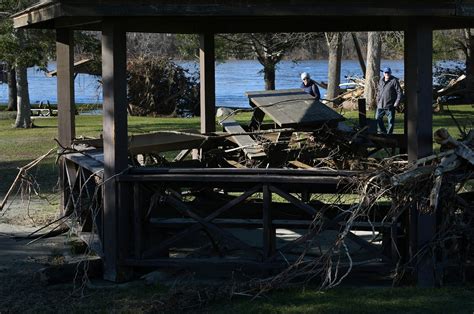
x=388 y=99
x=309 y=86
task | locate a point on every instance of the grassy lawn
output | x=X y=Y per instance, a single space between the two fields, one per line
x=357 y=300
x=148 y=299
x=19 y=146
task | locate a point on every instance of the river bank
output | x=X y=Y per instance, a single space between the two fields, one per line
x=233 y=79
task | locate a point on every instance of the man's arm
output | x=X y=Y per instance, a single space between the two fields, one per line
x=378 y=92
x=316 y=92
x=398 y=89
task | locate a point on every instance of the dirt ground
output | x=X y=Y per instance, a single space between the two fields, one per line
x=23 y=288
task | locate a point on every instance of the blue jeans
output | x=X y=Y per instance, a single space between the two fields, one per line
x=390 y=113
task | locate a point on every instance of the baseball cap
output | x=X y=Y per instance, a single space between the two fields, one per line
x=305 y=75
x=387 y=70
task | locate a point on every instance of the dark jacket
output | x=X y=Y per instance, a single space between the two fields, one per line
x=389 y=93
x=312 y=89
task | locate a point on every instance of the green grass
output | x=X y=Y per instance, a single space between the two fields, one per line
x=148 y=299
x=357 y=300
x=19 y=146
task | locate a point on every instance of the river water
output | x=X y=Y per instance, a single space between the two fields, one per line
x=233 y=79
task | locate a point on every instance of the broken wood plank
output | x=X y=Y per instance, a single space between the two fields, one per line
x=412 y=174
x=182 y=154
x=155 y=142
x=252 y=149
x=299 y=164
x=82 y=66
x=234 y=163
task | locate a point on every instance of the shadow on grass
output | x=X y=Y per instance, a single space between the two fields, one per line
x=162 y=126
x=35 y=126
x=358 y=300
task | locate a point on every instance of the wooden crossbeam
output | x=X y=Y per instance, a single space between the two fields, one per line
x=184 y=209
x=72 y=174
x=256 y=223
x=168 y=242
x=208 y=264
x=331 y=223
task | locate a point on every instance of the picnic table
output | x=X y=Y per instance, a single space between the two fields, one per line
x=291 y=108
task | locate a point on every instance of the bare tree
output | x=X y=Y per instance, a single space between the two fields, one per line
x=21 y=49
x=12 y=90
x=372 y=77
x=334 y=42
x=467 y=46
x=151 y=44
x=360 y=56
x=23 y=115
x=268 y=48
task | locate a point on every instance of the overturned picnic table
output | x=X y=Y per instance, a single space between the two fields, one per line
x=291 y=108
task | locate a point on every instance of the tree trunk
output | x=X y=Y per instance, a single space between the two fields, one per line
x=269 y=75
x=334 y=41
x=469 y=37
x=23 y=115
x=359 y=53
x=12 y=91
x=372 y=76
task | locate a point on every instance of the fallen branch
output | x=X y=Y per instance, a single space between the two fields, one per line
x=20 y=174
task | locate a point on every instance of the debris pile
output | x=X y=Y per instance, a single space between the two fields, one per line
x=383 y=194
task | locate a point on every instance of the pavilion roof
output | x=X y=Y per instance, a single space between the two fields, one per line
x=220 y=16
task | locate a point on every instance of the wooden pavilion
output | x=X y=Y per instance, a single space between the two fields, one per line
x=114 y=18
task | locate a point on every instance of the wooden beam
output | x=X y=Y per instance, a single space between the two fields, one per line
x=418 y=85
x=138 y=220
x=418 y=82
x=362 y=104
x=269 y=233
x=210 y=264
x=352 y=11
x=66 y=106
x=115 y=140
x=207 y=81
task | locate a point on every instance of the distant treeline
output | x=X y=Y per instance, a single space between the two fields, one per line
x=446 y=46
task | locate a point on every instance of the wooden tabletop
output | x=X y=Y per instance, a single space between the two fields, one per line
x=292 y=108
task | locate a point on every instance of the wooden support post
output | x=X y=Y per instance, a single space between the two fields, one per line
x=418 y=82
x=66 y=106
x=65 y=65
x=362 y=112
x=207 y=81
x=138 y=220
x=115 y=146
x=269 y=236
